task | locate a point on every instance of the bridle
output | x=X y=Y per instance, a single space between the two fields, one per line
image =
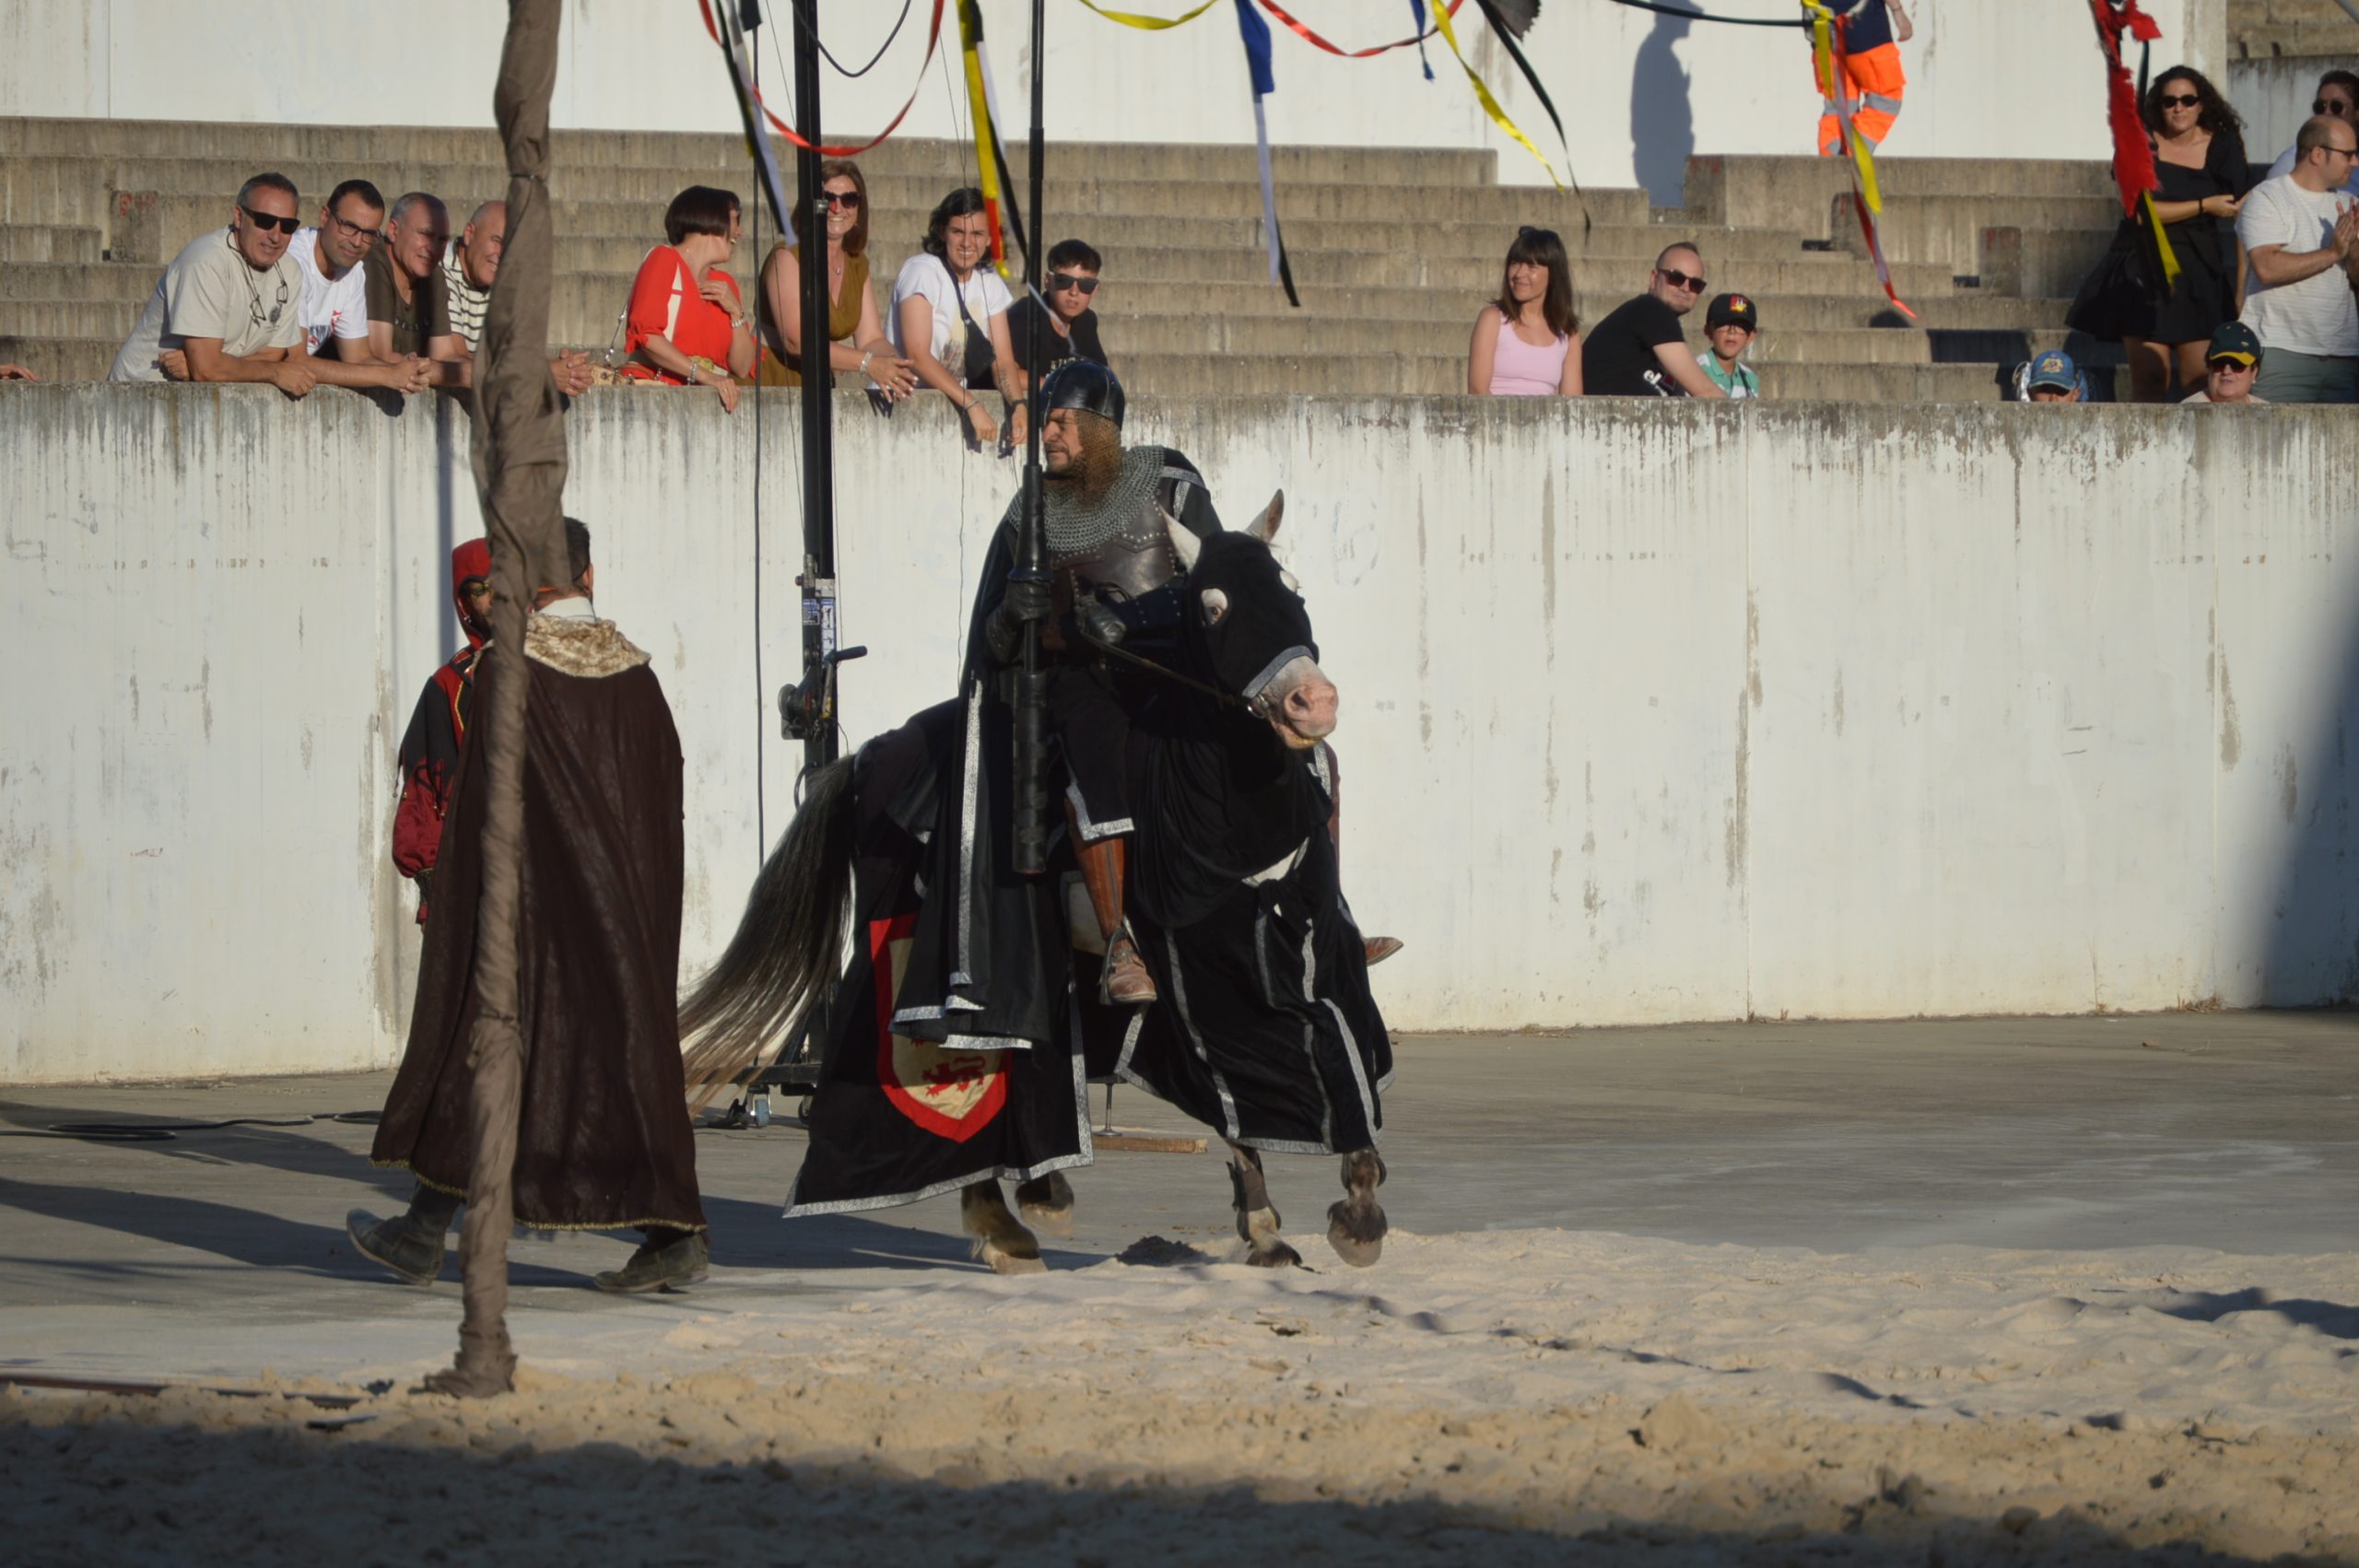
x=1258 y=705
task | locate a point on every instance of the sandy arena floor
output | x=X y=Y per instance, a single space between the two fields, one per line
x=2030 y=1291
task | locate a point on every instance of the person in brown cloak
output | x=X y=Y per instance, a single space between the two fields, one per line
x=605 y=1141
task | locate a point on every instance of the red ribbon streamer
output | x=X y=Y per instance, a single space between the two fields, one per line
x=2133 y=161
x=934 y=36
x=1313 y=38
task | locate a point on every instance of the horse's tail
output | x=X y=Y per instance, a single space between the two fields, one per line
x=789 y=943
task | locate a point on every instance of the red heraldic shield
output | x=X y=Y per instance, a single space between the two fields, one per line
x=952 y=1094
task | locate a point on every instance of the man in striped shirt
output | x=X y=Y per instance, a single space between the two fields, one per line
x=469 y=269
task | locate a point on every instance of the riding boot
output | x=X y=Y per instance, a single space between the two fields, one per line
x=1124 y=981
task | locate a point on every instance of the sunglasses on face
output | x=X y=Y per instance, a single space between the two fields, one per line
x=267 y=220
x=2330 y=106
x=848 y=200
x=2228 y=367
x=1066 y=280
x=1678 y=279
x=2180 y=99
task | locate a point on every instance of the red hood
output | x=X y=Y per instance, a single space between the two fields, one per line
x=470 y=562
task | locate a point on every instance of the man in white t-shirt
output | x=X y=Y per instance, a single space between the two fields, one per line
x=335 y=306
x=2299 y=231
x=2339 y=98
x=223 y=309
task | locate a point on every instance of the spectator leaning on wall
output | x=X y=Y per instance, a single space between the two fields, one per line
x=2299 y=231
x=409 y=306
x=1069 y=328
x=333 y=308
x=226 y=303
x=469 y=269
x=1730 y=322
x=2338 y=99
x=1639 y=350
x=2230 y=367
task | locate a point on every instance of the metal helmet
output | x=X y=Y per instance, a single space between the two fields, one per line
x=1083 y=384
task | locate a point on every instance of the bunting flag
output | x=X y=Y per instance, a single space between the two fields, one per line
x=1867 y=201
x=1341 y=53
x=933 y=37
x=2133 y=158
x=1256 y=33
x=991 y=157
x=1481 y=90
x=1152 y=23
x=1417 y=16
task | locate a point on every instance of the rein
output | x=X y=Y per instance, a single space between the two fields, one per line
x=1112 y=650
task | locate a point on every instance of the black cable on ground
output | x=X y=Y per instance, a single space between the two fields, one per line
x=167 y=1131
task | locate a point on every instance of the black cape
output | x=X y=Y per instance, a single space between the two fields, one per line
x=605 y=1141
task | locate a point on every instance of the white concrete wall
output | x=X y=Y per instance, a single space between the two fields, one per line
x=1639 y=92
x=1651 y=712
x=2274 y=95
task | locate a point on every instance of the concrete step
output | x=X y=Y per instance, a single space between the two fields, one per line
x=33 y=243
x=92 y=280
x=253 y=147
x=59 y=359
x=1749 y=191
x=2329 y=43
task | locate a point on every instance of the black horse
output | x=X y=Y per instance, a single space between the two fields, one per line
x=1266 y=1030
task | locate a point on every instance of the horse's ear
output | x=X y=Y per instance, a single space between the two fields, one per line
x=1265 y=526
x=1185 y=546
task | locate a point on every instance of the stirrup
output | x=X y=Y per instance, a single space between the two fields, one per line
x=1122 y=942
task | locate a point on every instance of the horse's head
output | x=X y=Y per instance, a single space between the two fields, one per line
x=1248 y=631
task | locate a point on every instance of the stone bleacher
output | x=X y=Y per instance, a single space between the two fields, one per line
x=1393 y=250
x=2261 y=29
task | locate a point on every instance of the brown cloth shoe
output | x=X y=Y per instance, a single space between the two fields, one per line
x=651 y=1268
x=1379 y=948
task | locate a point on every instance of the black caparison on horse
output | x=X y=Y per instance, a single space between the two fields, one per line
x=1265 y=1030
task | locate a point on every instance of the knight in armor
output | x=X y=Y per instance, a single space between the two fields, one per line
x=1113 y=584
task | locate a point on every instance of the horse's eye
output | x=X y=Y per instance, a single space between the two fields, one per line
x=1215 y=605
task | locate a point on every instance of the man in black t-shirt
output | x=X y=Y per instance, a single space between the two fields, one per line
x=1069 y=330
x=1638 y=350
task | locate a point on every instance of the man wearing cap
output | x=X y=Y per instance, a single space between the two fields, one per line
x=2300 y=232
x=1730 y=324
x=2053 y=378
x=2231 y=366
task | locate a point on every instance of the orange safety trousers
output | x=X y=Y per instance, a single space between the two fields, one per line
x=1873 y=90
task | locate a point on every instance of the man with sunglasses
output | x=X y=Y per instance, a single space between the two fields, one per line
x=2338 y=99
x=227 y=304
x=2300 y=232
x=1639 y=349
x=2230 y=367
x=1069 y=329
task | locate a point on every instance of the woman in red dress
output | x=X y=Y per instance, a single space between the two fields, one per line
x=687 y=325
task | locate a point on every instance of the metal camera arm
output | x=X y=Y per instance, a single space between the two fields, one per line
x=808 y=708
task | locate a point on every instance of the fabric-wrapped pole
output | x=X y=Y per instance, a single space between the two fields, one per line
x=519 y=479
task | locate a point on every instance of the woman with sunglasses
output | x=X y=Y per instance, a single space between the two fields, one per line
x=2200 y=159
x=950 y=317
x=856 y=341
x=1527 y=341
x=686 y=324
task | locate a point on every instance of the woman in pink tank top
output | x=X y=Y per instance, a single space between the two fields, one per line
x=1527 y=341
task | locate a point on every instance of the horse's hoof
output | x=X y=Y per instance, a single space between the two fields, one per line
x=1047 y=1202
x=1356 y=1229
x=1274 y=1254
x=1003 y=1261
x=1264 y=1247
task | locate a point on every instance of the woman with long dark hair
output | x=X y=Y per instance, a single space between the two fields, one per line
x=856 y=340
x=2200 y=159
x=949 y=317
x=1527 y=341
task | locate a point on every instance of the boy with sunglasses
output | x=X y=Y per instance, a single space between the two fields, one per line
x=1069 y=330
x=225 y=307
